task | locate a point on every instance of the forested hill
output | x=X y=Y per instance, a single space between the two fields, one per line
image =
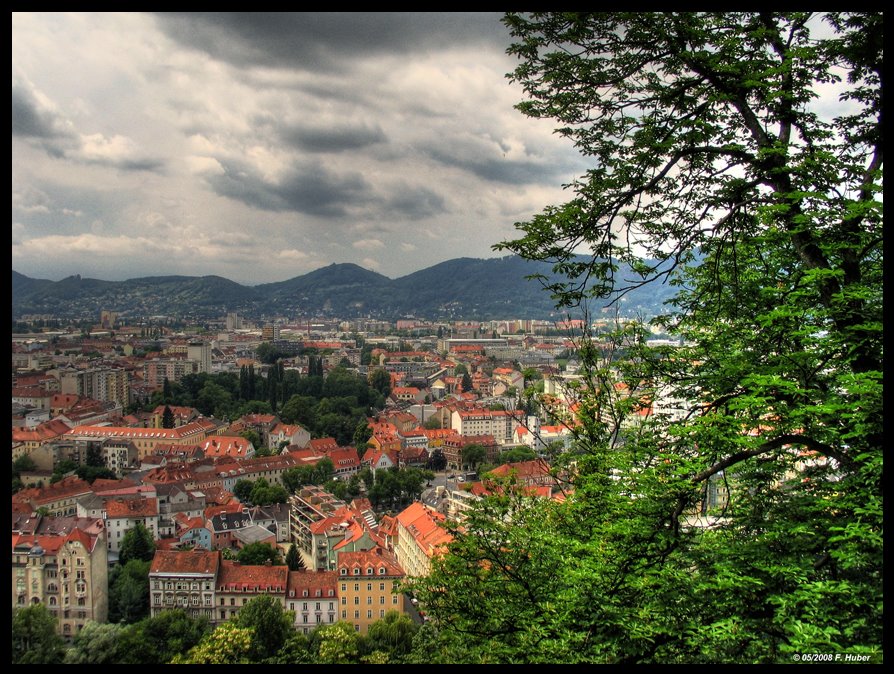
x=462 y=288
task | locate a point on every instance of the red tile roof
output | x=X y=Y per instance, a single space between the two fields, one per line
x=235 y=577
x=183 y=562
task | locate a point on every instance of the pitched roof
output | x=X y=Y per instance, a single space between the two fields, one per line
x=195 y=561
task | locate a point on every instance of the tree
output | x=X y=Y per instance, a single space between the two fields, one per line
x=167 y=418
x=293 y=558
x=96 y=644
x=716 y=168
x=474 y=454
x=467 y=382
x=158 y=639
x=336 y=644
x=34 y=637
x=271 y=623
x=137 y=543
x=392 y=635
x=228 y=644
x=259 y=553
x=129 y=592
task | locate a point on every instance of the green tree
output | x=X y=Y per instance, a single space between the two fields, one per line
x=337 y=644
x=271 y=623
x=473 y=455
x=259 y=553
x=34 y=637
x=392 y=635
x=137 y=543
x=467 y=382
x=129 y=592
x=293 y=558
x=158 y=639
x=167 y=418
x=380 y=380
x=96 y=644
x=715 y=166
x=228 y=644
x=242 y=489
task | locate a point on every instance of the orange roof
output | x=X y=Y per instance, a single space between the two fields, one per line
x=312 y=581
x=259 y=578
x=132 y=507
x=183 y=562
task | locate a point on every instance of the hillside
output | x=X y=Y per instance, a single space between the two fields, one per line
x=462 y=288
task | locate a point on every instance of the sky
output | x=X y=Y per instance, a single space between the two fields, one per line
x=259 y=147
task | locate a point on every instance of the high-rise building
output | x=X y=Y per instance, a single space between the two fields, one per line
x=200 y=352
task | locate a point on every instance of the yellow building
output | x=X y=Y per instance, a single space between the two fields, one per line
x=367 y=587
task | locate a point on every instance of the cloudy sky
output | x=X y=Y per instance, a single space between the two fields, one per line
x=260 y=147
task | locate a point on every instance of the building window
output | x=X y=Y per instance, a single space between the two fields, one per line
x=356 y=601
x=369 y=587
x=369 y=614
x=369 y=600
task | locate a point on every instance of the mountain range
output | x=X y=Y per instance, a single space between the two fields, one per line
x=462 y=288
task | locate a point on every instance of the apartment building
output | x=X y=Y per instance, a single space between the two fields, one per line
x=368 y=587
x=63 y=564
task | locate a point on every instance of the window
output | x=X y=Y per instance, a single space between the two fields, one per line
x=369 y=614
x=381 y=600
x=356 y=587
x=232 y=601
x=304 y=606
x=344 y=587
x=382 y=587
x=318 y=606
x=382 y=613
x=369 y=587
x=356 y=601
x=394 y=599
x=369 y=600
x=356 y=614
x=344 y=600
x=344 y=615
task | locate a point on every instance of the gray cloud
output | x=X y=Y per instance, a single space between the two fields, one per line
x=29 y=121
x=306 y=189
x=323 y=40
x=333 y=138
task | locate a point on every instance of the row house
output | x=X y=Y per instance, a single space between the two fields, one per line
x=420 y=536
x=204 y=584
x=238 y=584
x=63 y=564
x=185 y=580
x=312 y=597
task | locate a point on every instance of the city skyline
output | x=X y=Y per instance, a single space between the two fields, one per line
x=260 y=147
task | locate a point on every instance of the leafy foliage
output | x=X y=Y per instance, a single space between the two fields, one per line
x=34 y=637
x=742 y=520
